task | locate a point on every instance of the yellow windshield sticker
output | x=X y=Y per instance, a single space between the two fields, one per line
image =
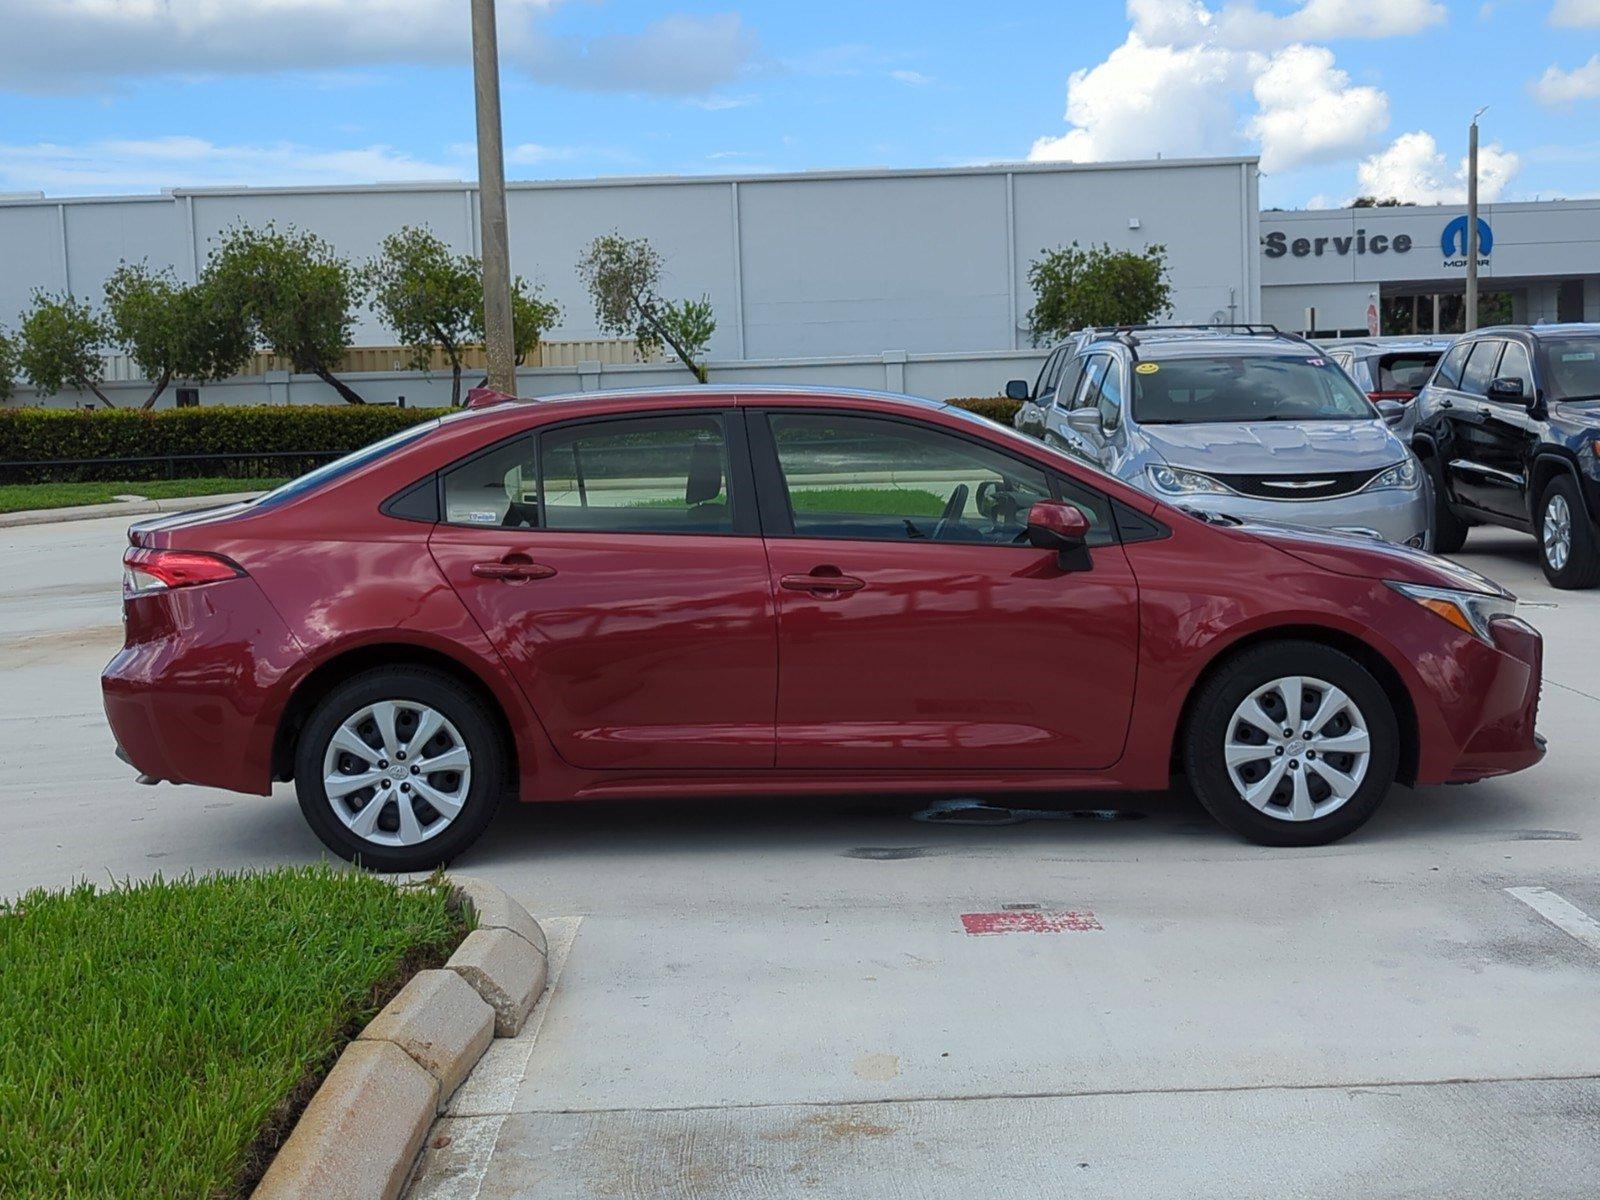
x=1148 y=368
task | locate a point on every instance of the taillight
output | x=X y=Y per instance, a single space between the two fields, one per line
x=1403 y=397
x=158 y=570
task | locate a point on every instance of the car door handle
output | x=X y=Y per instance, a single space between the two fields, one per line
x=822 y=583
x=1445 y=403
x=513 y=571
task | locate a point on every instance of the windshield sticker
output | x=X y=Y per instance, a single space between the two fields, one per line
x=1584 y=356
x=480 y=517
x=1315 y=362
x=1150 y=368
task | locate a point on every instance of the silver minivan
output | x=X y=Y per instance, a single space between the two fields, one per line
x=1241 y=420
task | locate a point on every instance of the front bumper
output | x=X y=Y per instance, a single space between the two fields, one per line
x=1393 y=514
x=1499 y=737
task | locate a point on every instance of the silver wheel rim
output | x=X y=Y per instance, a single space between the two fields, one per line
x=1297 y=749
x=1557 y=532
x=396 y=773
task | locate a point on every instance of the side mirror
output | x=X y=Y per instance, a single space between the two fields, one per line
x=1018 y=389
x=1084 y=420
x=1508 y=388
x=1054 y=525
x=1392 y=411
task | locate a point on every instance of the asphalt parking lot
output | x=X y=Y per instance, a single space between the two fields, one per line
x=764 y=998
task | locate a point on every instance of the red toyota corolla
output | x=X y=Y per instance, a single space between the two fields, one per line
x=747 y=591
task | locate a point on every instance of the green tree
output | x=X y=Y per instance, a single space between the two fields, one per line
x=532 y=316
x=62 y=345
x=622 y=275
x=429 y=296
x=1374 y=202
x=8 y=365
x=1074 y=288
x=295 y=291
x=173 y=330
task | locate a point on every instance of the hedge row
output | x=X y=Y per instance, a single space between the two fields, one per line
x=298 y=437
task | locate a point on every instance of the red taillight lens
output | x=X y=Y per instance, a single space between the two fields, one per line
x=158 y=570
x=1403 y=397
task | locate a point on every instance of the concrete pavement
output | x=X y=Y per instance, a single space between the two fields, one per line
x=760 y=998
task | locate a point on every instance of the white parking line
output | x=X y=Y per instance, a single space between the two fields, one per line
x=1560 y=912
x=493 y=1085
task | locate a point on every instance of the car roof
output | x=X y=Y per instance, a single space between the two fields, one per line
x=1391 y=342
x=1554 y=330
x=628 y=398
x=1194 y=341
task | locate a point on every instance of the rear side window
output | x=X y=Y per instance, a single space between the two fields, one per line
x=500 y=487
x=643 y=475
x=1480 y=367
x=1046 y=383
x=1450 y=366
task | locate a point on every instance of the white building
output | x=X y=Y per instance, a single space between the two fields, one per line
x=1339 y=263
x=914 y=279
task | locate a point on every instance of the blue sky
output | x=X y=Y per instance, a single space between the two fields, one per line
x=1338 y=96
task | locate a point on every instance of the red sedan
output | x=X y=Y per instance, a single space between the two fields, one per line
x=797 y=591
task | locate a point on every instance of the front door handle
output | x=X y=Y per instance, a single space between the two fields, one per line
x=512 y=568
x=823 y=582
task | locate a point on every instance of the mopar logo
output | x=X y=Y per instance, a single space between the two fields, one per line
x=1453 y=242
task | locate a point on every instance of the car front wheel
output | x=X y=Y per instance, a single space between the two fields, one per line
x=399 y=769
x=1291 y=744
x=1567 y=549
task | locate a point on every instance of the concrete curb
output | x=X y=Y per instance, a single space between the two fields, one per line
x=363 y=1130
x=122 y=508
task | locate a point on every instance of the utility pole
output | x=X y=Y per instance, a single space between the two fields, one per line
x=492 y=202
x=1471 y=322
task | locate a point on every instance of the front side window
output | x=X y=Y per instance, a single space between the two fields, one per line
x=1571 y=367
x=665 y=474
x=878 y=479
x=1514 y=364
x=1480 y=367
x=1089 y=382
x=1253 y=387
x=1110 y=398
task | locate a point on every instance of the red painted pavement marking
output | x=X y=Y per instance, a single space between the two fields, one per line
x=1030 y=921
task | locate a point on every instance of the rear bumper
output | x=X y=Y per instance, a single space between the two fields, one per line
x=191 y=697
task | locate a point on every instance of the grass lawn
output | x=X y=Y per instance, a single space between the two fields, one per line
x=18 y=497
x=159 y=1039
x=877 y=501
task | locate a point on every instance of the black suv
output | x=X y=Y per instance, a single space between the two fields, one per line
x=1508 y=426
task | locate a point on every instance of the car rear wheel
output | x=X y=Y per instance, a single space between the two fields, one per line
x=1292 y=744
x=399 y=769
x=1567 y=549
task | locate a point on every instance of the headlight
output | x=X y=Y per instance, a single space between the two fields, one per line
x=1470 y=612
x=1402 y=475
x=1175 y=481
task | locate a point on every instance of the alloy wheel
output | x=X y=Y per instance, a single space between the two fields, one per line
x=1297 y=748
x=1557 y=533
x=396 y=773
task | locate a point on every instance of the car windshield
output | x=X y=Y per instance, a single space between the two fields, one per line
x=1571 y=368
x=343 y=466
x=1255 y=387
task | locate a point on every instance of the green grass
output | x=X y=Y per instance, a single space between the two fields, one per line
x=158 y=1039
x=20 y=497
x=895 y=502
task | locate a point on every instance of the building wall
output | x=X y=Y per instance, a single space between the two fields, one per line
x=817 y=264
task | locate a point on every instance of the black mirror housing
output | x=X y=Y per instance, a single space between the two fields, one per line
x=1018 y=389
x=1510 y=389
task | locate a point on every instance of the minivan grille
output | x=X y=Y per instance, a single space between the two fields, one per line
x=1323 y=485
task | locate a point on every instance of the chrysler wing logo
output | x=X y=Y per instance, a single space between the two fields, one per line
x=1298 y=484
x=1454 y=240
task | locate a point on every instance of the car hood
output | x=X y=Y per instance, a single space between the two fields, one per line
x=1276 y=447
x=1368 y=557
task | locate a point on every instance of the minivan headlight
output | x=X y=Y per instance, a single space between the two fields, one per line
x=1470 y=612
x=1403 y=474
x=1175 y=481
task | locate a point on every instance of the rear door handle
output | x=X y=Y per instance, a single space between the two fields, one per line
x=512 y=571
x=839 y=584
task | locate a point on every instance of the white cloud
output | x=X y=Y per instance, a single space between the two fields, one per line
x=911 y=78
x=1579 y=14
x=1557 y=87
x=1308 y=111
x=151 y=163
x=93 y=44
x=1413 y=169
x=1146 y=100
x=1244 y=26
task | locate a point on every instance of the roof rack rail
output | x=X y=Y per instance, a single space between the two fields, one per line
x=1257 y=328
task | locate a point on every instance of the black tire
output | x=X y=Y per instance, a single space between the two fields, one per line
x=1207 y=731
x=1582 y=566
x=478 y=732
x=1449 y=530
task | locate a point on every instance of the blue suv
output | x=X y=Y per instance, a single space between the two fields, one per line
x=1507 y=427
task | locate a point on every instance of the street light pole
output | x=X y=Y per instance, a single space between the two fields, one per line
x=1471 y=321
x=497 y=336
